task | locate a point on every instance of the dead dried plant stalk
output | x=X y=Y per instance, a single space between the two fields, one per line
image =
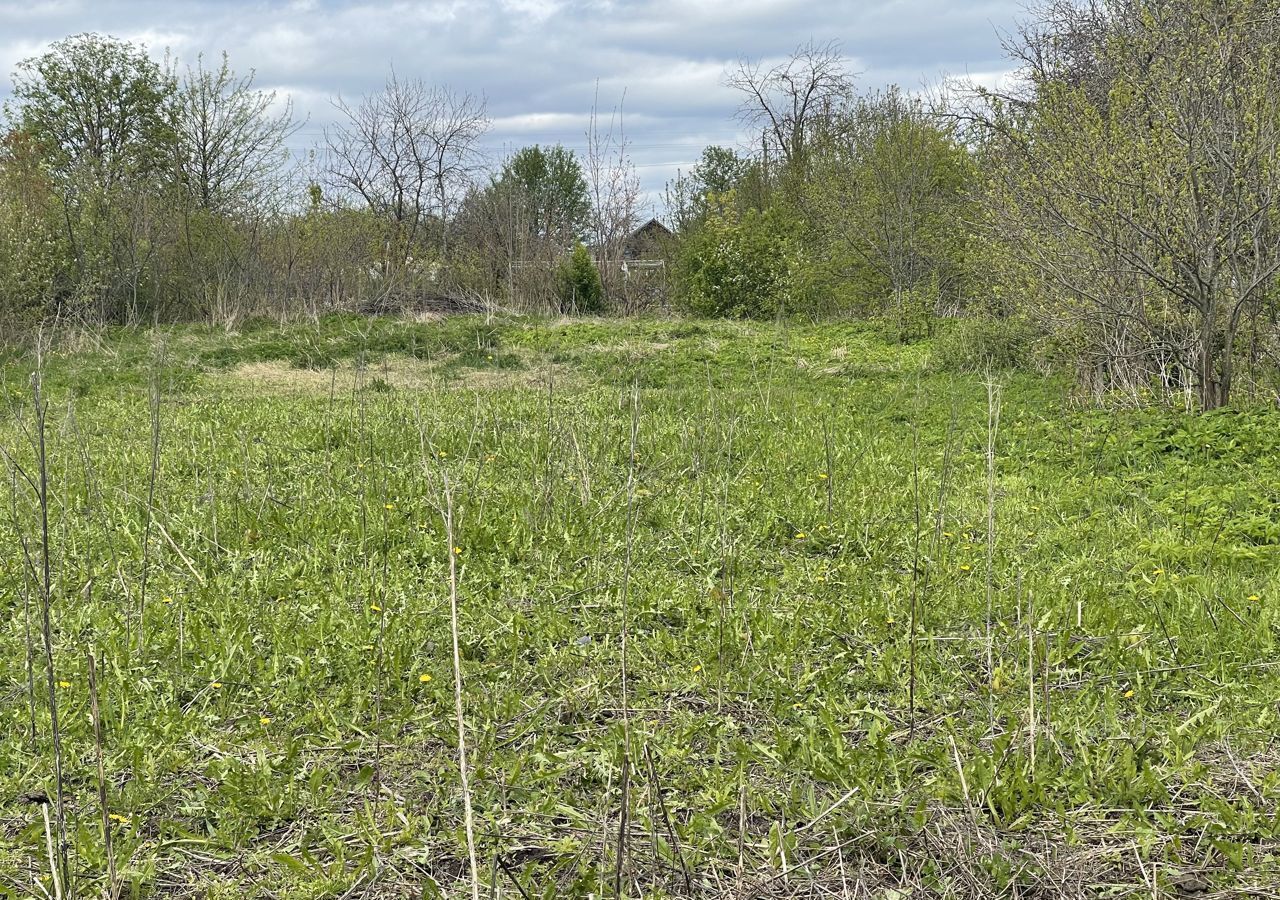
x=915 y=572
x=154 y=397
x=625 y=775
x=63 y=866
x=993 y=429
x=96 y=714
x=468 y=816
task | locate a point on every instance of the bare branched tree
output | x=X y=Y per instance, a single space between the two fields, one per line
x=229 y=139
x=787 y=100
x=613 y=187
x=1062 y=42
x=405 y=153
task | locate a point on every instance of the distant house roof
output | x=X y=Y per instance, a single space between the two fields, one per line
x=652 y=228
x=644 y=240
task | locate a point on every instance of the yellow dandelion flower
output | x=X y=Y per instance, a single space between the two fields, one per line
x=64 y=684
x=264 y=720
x=215 y=685
x=800 y=535
x=889 y=621
x=1128 y=693
x=457 y=551
x=697 y=668
x=1254 y=598
x=424 y=678
x=966 y=567
x=388 y=506
x=116 y=817
x=166 y=599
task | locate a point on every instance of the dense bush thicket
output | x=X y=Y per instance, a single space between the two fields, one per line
x=1122 y=199
x=1122 y=202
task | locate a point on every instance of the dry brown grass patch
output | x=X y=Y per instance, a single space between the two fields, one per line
x=401 y=373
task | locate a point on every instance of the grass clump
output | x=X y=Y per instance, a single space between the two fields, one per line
x=970 y=346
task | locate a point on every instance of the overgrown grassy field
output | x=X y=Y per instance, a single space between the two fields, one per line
x=840 y=624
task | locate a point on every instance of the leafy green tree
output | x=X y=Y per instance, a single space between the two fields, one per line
x=578 y=283
x=887 y=196
x=718 y=171
x=514 y=231
x=552 y=190
x=98 y=109
x=33 y=254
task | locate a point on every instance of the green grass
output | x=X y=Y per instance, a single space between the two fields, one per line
x=278 y=713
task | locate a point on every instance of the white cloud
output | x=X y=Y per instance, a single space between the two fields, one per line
x=14 y=52
x=1000 y=82
x=541 y=122
x=538 y=10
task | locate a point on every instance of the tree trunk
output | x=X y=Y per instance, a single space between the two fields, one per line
x=1227 y=363
x=1209 y=398
x=1209 y=359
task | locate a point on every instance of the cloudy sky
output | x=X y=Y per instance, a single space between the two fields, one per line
x=539 y=63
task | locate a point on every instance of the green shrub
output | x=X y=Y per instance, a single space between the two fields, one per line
x=977 y=345
x=578 y=283
x=742 y=266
